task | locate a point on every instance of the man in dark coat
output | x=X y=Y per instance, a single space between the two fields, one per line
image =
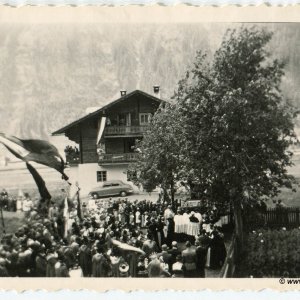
x=218 y=249
x=201 y=252
x=101 y=265
x=152 y=228
x=170 y=231
x=85 y=259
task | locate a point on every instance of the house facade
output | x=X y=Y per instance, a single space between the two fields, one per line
x=106 y=138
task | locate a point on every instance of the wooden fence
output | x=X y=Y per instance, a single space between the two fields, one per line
x=282 y=217
x=275 y=218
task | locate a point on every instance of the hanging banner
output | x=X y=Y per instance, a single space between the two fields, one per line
x=101 y=129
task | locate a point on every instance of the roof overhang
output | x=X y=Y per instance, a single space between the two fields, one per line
x=101 y=111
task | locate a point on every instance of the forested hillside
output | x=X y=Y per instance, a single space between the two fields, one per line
x=49 y=74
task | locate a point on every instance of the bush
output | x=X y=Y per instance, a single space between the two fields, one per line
x=273 y=253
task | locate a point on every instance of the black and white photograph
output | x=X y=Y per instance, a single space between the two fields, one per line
x=149 y=150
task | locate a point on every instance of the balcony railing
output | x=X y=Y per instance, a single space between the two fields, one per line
x=117 y=158
x=125 y=130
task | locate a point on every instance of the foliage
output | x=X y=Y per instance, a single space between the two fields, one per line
x=273 y=253
x=227 y=135
x=160 y=154
x=236 y=124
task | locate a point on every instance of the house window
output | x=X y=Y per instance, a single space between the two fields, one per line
x=101 y=176
x=145 y=118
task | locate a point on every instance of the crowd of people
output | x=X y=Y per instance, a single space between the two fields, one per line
x=114 y=238
x=12 y=203
x=72 y=154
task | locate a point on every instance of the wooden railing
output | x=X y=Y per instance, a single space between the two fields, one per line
x=276 y=218
x=125 y=130
x=117 y=158
x=229 y=266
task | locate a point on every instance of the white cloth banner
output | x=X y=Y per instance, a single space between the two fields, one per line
x=101 y=129
x=66 y=217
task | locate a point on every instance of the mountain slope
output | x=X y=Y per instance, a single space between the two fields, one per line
x=49 y=74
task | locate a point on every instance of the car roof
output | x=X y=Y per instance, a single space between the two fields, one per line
x=113 y=181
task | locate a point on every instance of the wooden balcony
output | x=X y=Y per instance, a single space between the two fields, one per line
x=120 y=131
x=121 y=158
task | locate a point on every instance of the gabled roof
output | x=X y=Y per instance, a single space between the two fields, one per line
x=102 y=109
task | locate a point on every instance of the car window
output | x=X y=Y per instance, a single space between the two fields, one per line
x=106 y=185
x=115 y=184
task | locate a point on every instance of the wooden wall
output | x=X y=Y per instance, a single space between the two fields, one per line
x=89 y=131
x=85 y=134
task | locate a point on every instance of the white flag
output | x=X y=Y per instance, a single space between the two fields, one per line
x=101 y=129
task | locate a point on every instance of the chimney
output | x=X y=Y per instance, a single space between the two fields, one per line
x=156 y=90
x=123 y=93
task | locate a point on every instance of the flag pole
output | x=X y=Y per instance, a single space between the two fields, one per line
x=79 y=212
x=41 y=185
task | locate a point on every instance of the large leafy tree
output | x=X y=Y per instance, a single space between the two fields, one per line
x=159 y=161
x=236 y=124
x=228 y=133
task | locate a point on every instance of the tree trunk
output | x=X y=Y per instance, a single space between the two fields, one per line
x=166 y=194
x=238 y=222
x=172 y=194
